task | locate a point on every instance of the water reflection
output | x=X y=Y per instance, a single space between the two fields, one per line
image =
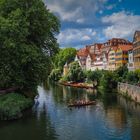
x=112 y=118
x=115 y=118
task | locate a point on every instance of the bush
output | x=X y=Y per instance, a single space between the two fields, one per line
x=109 y=80
x=12 y=105
x=94 y=76
x=55 y=75
x=132 y=77
x=76 y=73
x=122 y=72
x=64 y=79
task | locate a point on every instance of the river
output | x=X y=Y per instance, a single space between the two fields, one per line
x=112 y=118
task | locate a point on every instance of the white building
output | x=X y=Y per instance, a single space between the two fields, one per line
x=90 y=57
x=130 y=61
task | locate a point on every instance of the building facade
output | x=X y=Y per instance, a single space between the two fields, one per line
x=122 y=55
x=111 y=58
x=130 y=64
x=108 y=56
x=136 y=49
x=65 y=69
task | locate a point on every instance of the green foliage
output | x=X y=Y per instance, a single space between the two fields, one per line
x=122 y=72
x=12 y=105
x=64 y=55
x=132 y=77
x=76 y=73
x=64 y=79
x=94 y=76
x=138 y=73
x=27 y=41
x=55 y=75
x=109 y=80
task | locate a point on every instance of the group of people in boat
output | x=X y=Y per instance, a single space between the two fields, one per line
x=80 y=102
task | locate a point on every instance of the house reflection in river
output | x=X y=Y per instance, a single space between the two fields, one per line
x=132 y=109
x=115 y=117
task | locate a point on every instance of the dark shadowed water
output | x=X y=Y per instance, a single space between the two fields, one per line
x=112 y=118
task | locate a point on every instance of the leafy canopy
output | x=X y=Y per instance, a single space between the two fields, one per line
x=27 y=40
x=55 y=75
x=76 y=73
x=66 y=55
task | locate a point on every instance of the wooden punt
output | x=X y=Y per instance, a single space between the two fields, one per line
x=82 y=104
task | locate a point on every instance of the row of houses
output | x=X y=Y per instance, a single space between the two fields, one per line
x=111 y=55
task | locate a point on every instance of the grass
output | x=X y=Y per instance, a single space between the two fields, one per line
x=12 y=105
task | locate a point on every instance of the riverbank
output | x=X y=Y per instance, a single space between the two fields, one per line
x=77 y=85
x=12 y=106
x=129 y=91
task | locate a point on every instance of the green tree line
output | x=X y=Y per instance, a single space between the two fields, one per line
x=27 y=43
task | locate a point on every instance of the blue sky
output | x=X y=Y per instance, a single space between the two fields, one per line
x=86 y=22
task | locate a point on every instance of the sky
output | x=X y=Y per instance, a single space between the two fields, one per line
x=85 y=22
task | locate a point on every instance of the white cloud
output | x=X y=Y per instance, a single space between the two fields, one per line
x=109 y=7
x=85 y=38
x=122 y=24
x=70 y=36
x=78 y=11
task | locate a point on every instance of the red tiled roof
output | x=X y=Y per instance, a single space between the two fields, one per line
x=125 y=47
x=88 y=47
x=83 y=52
x=117 y=41
x=99 y=45
x=92 y=56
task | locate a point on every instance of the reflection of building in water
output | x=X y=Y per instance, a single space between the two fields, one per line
x=135 y=129
x=86 y=97
x=115 y=117
x=64 y=93
x=91 y=91
x=129 y=106
x=134 y=109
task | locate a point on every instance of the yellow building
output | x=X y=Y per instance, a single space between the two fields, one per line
x=136 y=50
x=113 y=44
x=121 y=57
x=111 y=58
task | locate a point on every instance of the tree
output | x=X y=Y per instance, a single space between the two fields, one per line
x=122 y=72
x=55 y=75
x=132 y=77
x=27 y=40
x=66 y=55
x=109 y=80
x=76 y=73
x=94 y=76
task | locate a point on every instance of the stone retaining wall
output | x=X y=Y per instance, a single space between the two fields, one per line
x=130 y=91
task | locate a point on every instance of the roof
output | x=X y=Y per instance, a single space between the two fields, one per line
x=125 y=47
x=66 y=64
x=99 y=45
x=119 y=40
x=116 y=41
x=137 y=32
x=92 y=56
x=83 y=52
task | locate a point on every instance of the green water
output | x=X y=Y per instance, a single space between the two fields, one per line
x=112 y=118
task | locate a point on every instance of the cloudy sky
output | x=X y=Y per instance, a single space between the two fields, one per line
x=89 y=21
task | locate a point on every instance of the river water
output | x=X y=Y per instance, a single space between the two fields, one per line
x=112 y=118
